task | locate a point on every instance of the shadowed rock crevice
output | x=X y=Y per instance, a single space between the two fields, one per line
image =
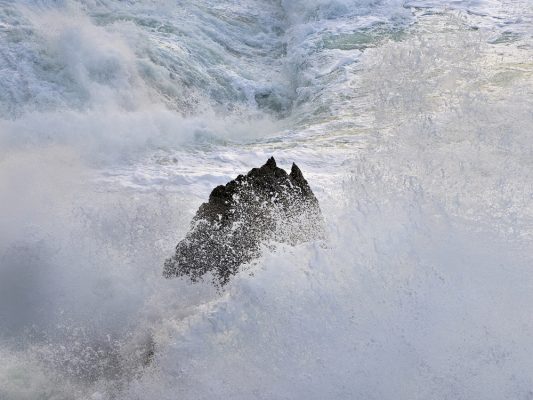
x=265 y=205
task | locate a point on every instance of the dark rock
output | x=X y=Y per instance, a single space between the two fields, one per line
x=265 y=205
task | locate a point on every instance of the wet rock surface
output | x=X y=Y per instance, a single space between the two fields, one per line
x=265 y=205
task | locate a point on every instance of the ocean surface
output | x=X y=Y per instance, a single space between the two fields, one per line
x=413 y=123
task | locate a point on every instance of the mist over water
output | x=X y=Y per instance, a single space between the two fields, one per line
x=412 y=123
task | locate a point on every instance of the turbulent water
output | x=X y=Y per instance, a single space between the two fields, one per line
x=413 y=123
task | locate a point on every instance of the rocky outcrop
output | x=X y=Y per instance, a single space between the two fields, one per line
x=265 y=205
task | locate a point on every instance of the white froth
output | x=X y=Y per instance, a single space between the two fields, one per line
x=412 y=123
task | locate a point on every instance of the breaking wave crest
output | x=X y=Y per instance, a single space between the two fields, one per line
x=410 y=121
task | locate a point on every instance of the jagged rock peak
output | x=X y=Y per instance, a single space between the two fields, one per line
x=266 y=204
x=271 y=163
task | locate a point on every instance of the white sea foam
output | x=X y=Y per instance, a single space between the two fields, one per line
x=412 y=124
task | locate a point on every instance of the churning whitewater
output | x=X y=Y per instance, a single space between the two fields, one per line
x=412 y=122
